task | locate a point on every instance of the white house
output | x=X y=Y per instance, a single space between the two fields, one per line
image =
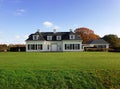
x=53 y=41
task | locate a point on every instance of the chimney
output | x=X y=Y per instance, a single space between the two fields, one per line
x=70 y=30
x=38 y=30
x=54 y=30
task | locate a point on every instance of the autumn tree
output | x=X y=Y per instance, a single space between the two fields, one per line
x=86 y=34
x=3 y=48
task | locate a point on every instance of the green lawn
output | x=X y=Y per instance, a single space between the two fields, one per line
x=60 y=61
x=62 y=70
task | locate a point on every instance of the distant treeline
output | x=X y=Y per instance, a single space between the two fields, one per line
x=12 y=48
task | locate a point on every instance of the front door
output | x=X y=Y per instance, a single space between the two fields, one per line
x=54 y=47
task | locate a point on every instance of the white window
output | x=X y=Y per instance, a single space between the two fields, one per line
x=49 y=37
x=39 y=46
x=32 y=46
x=72 y=37
x=35 y=37
x=35 y=47
x=72 y=46
x=67 y=46
x=58 y=37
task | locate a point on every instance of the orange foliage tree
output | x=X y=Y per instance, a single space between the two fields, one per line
x=86 y=34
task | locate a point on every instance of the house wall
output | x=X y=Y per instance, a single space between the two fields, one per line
x=51 y=45
x=54 y=45
x=47 y=45
x=34 y=42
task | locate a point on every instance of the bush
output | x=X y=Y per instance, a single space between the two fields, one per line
x=17 y=49
x=96 y=49
x=117 y=49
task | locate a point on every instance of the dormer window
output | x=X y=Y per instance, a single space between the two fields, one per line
x=49 y=37
x=35 y=37
x=58 y=37
x=72 y=37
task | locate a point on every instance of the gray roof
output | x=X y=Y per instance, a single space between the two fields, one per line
x=43 y=36
x=98 y=41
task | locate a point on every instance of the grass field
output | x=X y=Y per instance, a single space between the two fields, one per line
x=60 y=61
x=62 y=70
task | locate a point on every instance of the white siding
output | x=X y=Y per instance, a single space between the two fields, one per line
x=45 y=45
x=57 y=43
x=48 y=45
x=34 y=42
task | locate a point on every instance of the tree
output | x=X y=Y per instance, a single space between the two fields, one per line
x=16 y=47
x=86 y=34
x=3 y=48
x=113 y=40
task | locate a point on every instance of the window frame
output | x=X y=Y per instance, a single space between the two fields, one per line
x=35 y=37
x=72 y=37
x=58 y=37
x=35 y=46
x=49 y=37
x=72 y=46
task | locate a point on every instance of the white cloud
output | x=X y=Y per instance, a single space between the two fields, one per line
x=20 y=12
x=48 y=24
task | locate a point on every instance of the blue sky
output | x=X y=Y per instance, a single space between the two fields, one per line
x=20 y=18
